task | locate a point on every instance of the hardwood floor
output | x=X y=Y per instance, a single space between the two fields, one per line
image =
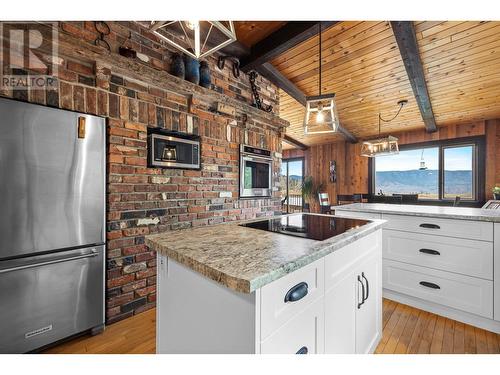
x=135 y=335
x=406 y=330
x=410 y=330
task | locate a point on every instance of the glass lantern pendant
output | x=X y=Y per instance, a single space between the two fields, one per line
x=197 y=39
x=321 y=110
x=382 y=145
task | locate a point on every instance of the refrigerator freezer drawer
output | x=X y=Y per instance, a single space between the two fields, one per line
x=50 y=297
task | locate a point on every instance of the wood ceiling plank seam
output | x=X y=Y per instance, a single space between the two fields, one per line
x=446 y=34
x=488 y=32
x=328 y=40
x=438 y=29
x=329 y=33
x=480 y=53
x=381 y=46
x=329 y=55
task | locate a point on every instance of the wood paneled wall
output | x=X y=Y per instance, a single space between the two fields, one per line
x=352 y=169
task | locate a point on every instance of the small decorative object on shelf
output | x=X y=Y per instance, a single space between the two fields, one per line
x=236 y=64
x=333 y=171
x=205 y=79
x=192 y=67
x=256 y=96
x=127 y=52
x=496 y=192
x=177 y=68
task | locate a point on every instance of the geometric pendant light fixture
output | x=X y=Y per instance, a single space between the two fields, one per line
x=321 y=110
x=197 y=39
x=382 y=145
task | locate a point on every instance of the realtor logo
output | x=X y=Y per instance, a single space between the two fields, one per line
x=28 y=55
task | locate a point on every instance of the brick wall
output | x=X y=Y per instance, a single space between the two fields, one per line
x=133 y=96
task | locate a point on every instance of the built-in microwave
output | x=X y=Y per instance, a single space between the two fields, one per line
x=168 y=149
x=256 y=168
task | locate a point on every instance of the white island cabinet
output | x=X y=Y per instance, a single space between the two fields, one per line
x=331 y=305
x=440 y=259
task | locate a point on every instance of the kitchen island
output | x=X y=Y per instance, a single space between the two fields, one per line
x=445 y=260
x=235 y=289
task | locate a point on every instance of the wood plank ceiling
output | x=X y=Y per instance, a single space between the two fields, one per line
x=363 y=66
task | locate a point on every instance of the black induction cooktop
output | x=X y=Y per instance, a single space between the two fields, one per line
x=315 y=227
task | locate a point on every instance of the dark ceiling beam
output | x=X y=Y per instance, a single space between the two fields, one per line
x=294 y=142
x=280 y=41
x=276 y=77
x=404 y=32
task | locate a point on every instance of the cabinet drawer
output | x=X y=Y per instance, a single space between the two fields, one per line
x=467 y=257
x=457 y=291
x=357 y=215
x=304 y=332
x=275 y=310
x=474 y=230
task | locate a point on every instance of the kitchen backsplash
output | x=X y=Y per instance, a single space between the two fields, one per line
x=134 y=95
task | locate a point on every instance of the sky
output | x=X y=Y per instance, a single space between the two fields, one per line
x=455 y=159
x=294 y=168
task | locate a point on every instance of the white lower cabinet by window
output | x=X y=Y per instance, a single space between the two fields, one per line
x=287 y=316
x=353 y=301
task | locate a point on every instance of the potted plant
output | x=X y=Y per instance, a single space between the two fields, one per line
x=310 y=191
x=496 y=192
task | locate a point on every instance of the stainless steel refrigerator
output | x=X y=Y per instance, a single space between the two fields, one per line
x=52 y=224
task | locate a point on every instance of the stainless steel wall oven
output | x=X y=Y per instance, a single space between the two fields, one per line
x=256 y=168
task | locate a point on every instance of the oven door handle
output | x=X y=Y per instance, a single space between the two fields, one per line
x=93 y=253
x=257 y=158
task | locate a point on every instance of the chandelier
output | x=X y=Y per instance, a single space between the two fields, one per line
x=382 y=145
x=197 y=39
x=321 y=110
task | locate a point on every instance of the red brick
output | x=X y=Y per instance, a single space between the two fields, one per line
x=122 y=280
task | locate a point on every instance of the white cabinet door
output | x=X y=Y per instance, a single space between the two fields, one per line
x=340 y=315
x=303 y=334
x=369 y=312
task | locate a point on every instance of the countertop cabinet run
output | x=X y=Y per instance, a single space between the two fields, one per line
x=332 y=305
x=447 y=266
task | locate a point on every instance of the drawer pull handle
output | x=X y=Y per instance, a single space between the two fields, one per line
x=303 y=350
x=430 y=285
x=362 y=292
x=297 y=292
x=430 y=226
x=367 y=287
x=430 y=251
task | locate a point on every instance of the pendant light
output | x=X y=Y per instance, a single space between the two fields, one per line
x=321 y=110
x=382 y=145
x=197 y=39
x=422 y=167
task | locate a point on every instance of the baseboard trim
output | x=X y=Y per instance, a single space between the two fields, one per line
x=448 y=312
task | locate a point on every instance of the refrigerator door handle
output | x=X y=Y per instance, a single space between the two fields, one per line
x=93 y=253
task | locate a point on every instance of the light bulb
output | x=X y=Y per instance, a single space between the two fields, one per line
x=320 y=117
x=191 y=25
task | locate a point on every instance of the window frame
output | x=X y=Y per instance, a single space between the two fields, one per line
x=478 y=169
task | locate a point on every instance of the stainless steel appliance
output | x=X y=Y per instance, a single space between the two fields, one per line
x=314 y=227
x=256 y=168
x=173 y=150
x=52 y=224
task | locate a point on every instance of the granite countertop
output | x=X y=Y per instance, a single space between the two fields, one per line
x=460 y=213
x=245 y=259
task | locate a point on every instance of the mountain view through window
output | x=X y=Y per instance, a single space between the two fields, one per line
x=417 y=171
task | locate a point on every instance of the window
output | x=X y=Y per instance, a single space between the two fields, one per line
x=291 y=179
x=436 y=171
